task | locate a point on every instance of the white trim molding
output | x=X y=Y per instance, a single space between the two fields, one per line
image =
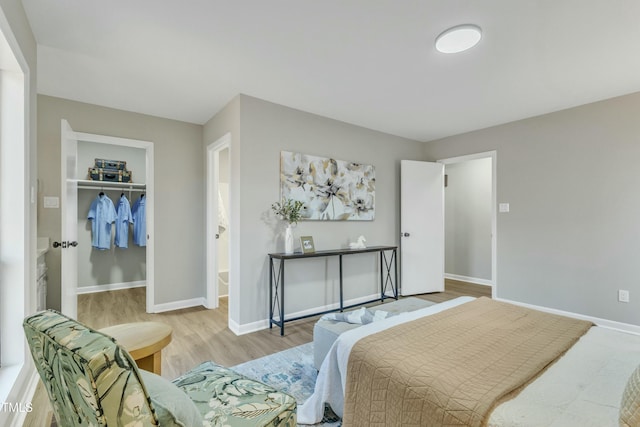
x=111 y=287
x=605 y=323
x=248 y=327
x=475 y=280
x=177 y=305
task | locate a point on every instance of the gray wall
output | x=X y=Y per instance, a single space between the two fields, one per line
x=468 y=219
x=179 y=190
x=117 y=265
x=266 y=129
x=572 y=238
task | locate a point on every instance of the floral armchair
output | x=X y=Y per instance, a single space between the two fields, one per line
x=92 y=381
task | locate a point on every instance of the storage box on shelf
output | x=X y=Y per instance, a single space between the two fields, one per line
x=110 y=171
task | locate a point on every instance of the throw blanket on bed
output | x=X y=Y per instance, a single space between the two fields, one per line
x=453 y=367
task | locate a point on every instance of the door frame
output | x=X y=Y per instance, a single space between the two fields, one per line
x=493 y=155
x=213 y=167
x=68 y=211
x=149 y=205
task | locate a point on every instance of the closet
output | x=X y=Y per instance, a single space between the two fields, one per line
x=112 y=267
x=83 y=269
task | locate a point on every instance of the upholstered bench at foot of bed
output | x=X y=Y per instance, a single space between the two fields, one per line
x=226 y=398
x=325 y=332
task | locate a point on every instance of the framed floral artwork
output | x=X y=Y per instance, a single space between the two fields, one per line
x=332 y=190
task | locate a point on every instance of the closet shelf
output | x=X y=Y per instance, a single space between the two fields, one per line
x=93 y=185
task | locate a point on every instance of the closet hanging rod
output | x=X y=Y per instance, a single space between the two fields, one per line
x=106 y=188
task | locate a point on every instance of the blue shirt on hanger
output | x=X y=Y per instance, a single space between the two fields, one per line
x=139 y=213
x=103 y=214
x=123 y=219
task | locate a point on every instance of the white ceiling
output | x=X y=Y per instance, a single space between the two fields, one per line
x=367 y=62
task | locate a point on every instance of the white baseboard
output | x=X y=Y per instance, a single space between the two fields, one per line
x=177 y=305
x=110 y=287
x=248 y=327
x=605 y=323
x=264 y=324
x=468 y=279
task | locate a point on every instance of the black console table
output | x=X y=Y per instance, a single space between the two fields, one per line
x=388 y=278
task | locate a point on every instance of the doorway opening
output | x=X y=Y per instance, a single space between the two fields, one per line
x=218 y=222
x=223 y=223
x=470 y=218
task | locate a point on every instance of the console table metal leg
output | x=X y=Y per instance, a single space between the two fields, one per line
x=281 y=297
x=387 y=278
x=395 y=266
x=271 y=272
x=382 y=284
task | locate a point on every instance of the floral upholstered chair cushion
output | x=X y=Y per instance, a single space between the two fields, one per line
x=226 y=398
x=90 y=379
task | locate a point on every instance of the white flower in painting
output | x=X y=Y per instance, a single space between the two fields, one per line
x=292 y=170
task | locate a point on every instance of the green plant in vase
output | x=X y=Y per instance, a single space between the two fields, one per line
x=290 y=211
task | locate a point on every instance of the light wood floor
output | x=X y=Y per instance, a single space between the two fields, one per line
x=200 y=335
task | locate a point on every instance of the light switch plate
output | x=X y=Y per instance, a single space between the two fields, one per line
x=51 y=202
x=503 y=207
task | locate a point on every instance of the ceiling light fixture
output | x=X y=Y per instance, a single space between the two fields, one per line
x=458 y=38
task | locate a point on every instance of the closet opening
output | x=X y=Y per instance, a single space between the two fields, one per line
x=108 y=214
x=120 y=261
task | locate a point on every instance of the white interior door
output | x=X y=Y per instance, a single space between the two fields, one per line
x=422 y=227
x=69 y=229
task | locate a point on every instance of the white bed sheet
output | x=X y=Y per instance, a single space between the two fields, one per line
x=583 y=388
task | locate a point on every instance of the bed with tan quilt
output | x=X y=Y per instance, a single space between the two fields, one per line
x=479 y=362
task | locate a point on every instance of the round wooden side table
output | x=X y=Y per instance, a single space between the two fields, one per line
x=144 y=341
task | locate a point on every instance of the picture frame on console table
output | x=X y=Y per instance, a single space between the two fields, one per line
x=306 y=244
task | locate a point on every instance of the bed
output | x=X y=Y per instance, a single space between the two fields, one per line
x=581 y=387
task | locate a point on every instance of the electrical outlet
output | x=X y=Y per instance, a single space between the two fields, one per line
x=623 y=295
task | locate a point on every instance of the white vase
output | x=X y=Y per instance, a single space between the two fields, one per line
x=288 y=239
